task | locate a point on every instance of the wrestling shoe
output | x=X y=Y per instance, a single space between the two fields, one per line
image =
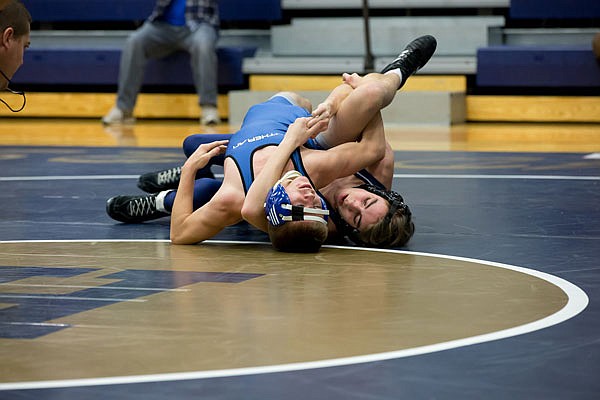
x=133 y=209
x=118 y=116
x=154 y=182
x=414 y=56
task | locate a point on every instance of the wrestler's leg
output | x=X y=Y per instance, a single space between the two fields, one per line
x=372 y=93
x=192 y=142
x=153 y=182
x=204 y=190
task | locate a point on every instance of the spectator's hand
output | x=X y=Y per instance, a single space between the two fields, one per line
x=203 y=154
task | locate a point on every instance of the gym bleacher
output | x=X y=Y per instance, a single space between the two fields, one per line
x=535 y=54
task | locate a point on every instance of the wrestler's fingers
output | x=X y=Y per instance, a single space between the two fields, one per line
x=218 y=143
x=319 y=110
x=323 y=111
x=217 y=150
x=209 y=146
x=352 y=79
x=299 y=123
x=318 y=119
x=317 y=128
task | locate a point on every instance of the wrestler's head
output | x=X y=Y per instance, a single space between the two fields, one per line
x=373 y=217
x=297 y=215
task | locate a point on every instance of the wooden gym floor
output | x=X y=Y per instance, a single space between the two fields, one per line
x=497 y=295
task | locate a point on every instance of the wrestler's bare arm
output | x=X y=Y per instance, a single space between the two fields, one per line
x=189 y=226
x=347 y=158
x=253 y=208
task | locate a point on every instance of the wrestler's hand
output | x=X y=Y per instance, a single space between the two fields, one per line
x=298 y=132
x=325 y=110
x=319 y=121
x=203 y=154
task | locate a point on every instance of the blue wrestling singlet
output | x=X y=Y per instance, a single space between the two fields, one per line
x=265 y=124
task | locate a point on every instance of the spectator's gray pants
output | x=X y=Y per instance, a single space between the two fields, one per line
x=157 y=40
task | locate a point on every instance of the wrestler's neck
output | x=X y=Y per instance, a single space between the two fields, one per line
x=330 y=191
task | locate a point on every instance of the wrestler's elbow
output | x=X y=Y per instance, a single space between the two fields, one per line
x=376 y=153
x=179 y=235
x=177 y=238
x=251 y=213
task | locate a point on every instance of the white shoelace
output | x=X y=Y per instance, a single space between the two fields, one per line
x=169 y=176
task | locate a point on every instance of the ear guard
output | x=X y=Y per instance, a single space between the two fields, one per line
x=279 y=210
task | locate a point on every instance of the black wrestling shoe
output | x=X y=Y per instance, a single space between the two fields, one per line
x=133 y=209
x=154 y=182
x=414 y=56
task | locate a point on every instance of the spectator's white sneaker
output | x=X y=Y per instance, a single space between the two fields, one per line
x=117 y=116
x=210 y=115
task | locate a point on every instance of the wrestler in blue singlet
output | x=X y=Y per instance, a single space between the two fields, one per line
x=265 y=124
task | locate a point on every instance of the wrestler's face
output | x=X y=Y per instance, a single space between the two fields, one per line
x=301 y=192
x=360 y=208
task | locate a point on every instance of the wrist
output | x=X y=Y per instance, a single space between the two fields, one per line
x=189 y=167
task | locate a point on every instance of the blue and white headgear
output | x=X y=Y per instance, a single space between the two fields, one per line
x=279 y=210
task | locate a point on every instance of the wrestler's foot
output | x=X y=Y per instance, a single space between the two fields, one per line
x=413 y=57
x=154 y=182
x=133 y=209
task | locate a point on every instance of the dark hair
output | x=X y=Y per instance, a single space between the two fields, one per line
x=392 y=231
x=298 y=236
x=15 y=15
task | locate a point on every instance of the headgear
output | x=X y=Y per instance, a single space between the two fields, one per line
x=279 y=210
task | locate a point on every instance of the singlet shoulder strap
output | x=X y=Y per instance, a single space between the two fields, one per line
x=367 y=178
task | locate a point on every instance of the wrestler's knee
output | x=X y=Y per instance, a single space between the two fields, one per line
x=374 y=95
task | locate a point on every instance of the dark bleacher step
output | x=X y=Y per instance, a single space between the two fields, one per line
x=554 y=9
x=97 y=66
x=389 y=4
x=538 y=66
x=139 y=10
